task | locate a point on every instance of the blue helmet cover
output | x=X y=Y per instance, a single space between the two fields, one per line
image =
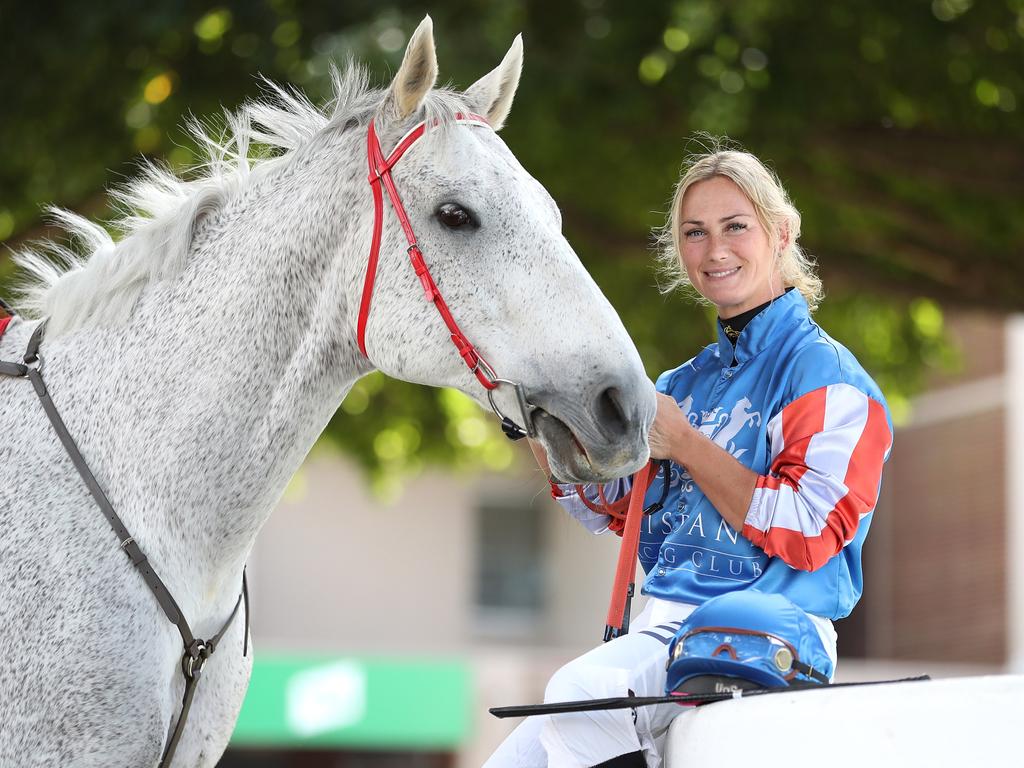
x=709 y=649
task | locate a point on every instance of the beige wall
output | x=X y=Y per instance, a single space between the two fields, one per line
x=335 y=569
x=946 y=575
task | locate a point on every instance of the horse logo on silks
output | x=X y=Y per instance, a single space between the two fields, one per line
x=722 y=427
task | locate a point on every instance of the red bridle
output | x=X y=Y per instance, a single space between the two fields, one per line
x=380 y=175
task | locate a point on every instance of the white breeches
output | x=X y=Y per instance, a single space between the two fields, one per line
x=633 y=664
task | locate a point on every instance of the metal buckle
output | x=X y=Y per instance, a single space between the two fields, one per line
x=659 y=505
x=35 y=364
x=194 y=658
x=526 y=408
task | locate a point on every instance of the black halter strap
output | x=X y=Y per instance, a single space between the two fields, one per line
x=196 y=651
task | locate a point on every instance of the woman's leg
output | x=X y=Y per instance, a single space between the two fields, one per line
x=630 y=665
x=522 y=748
x=634 y=662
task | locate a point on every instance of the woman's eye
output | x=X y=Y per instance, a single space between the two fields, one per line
x=693 y=233
x=453 y=215
x=735 y=226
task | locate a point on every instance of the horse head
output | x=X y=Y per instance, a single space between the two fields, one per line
x=492 y=237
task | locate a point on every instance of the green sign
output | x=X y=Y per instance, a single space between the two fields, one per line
x=358 y=702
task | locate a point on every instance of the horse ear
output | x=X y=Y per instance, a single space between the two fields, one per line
x=417 y=74
x=491 y=95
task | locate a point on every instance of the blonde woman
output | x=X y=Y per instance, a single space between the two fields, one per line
x=776 y=438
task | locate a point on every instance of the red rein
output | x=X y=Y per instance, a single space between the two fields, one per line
x=626 y=514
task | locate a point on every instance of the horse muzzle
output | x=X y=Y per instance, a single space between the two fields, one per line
x=602 y=441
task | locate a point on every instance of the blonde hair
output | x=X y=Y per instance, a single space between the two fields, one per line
x=772 y=207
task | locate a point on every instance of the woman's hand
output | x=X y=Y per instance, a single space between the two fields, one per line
x=727 y=484
x=670 y=431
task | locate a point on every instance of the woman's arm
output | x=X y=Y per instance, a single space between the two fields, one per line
x=828 y=448
x=728 y=484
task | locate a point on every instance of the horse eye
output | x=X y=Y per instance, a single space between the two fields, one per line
x=453 y=215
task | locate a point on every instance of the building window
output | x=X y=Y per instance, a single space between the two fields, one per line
x=510 y=576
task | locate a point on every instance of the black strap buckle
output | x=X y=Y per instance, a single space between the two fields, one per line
x=195 y=656
x=666 y=481
x=512 y=430
x=35 y=340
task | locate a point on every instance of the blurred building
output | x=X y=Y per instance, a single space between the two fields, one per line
x=384 y=632
x=483 y=577
x=944 y=577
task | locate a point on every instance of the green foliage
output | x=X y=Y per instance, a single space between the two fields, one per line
x=895 y=126
x=393 y=428
x=897 y=343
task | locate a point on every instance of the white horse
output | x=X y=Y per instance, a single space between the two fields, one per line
x=196 y=360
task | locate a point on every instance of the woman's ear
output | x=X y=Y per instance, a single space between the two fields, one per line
x=783 y=237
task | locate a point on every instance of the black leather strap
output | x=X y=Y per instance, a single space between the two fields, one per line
x=32 y=351
x=17 y=370
x=196 y=651
x=192 y=663
x=186 y=705
x=243 y=599
x=245 y=602
x=128 y=543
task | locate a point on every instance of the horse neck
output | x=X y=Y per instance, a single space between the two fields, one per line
x=224 y=378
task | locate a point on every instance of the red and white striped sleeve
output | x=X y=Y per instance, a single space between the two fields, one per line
x=828 y=448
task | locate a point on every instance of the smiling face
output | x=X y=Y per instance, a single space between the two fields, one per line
x=725 y=250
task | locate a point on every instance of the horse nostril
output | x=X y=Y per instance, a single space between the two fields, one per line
x=611 y=414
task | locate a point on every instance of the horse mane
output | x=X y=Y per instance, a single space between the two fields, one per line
x=97 y=278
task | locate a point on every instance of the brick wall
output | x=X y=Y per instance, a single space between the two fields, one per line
x=946 y=543
x=935 y=561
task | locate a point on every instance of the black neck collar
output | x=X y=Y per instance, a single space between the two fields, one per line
x=734 y=326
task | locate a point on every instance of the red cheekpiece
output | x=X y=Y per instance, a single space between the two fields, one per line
x=380 y=176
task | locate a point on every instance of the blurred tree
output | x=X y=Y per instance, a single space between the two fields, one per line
x=895 y=126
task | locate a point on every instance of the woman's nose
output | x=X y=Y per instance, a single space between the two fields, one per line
x=718 y=247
